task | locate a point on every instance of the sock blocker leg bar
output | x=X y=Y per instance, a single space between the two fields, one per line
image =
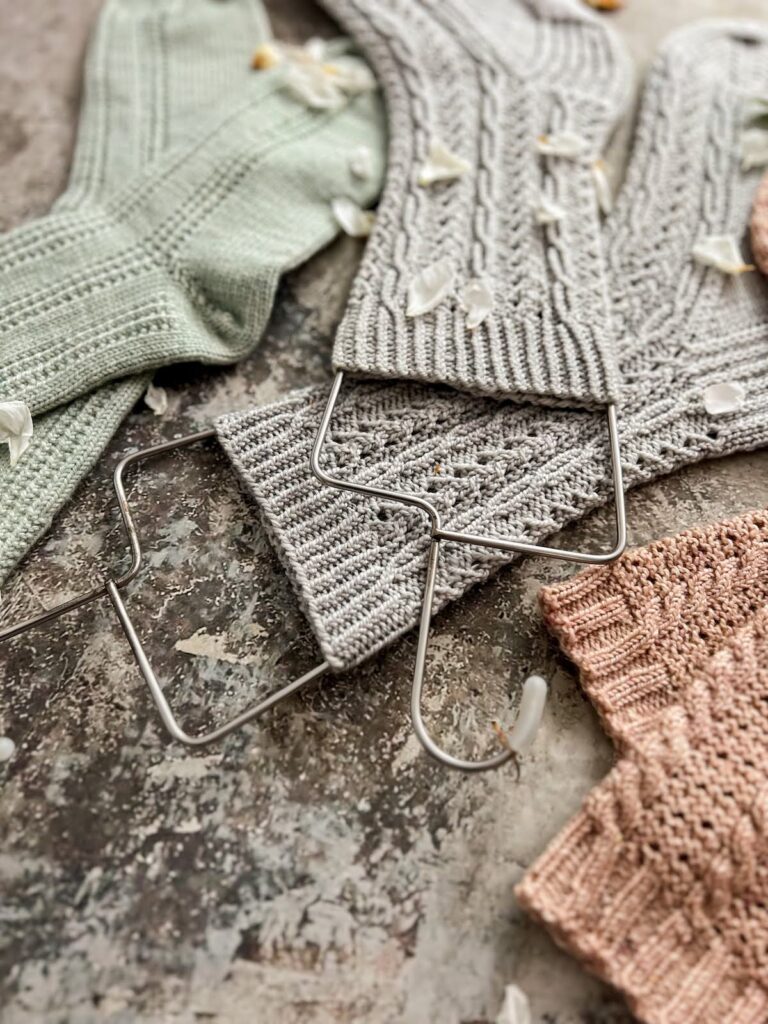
x=534 y=691
x=532 y=695
x=112 y=588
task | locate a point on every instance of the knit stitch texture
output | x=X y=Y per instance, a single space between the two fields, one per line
x=102 y=287
x=493 y=467
x=486 y=82
x=637 y=629
x=660 y=883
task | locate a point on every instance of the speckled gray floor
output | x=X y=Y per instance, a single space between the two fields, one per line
x=314 y=869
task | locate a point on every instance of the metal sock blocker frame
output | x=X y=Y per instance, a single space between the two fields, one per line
x=439 y=534
x=534 y=688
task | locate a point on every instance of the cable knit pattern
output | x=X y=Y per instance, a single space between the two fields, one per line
x=494 y=467
x=637 y=629
x=660 y=884
x=138 y=264
x=486 y=84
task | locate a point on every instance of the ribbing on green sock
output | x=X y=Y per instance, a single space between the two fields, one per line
x=285 y=164
x=154 y=70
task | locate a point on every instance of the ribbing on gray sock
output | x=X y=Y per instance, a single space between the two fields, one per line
x=486 y=82
x=519 y=471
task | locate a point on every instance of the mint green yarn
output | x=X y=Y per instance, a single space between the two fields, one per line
x=177 y=262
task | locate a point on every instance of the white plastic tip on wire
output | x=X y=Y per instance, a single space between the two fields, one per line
x=529 y=715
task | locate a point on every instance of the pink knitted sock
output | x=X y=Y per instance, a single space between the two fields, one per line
x=638 y=629
x=660 y=883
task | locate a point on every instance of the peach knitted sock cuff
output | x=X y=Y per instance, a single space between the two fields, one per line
x=660 y=883
x=638 y=628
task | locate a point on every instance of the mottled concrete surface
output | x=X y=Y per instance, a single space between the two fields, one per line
x=314 y=868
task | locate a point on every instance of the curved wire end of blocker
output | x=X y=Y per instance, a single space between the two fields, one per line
x=517 y=742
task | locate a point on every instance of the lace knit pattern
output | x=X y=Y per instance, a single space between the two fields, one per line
x=103 y=287
x=487 y=86
x=660 y=884
x=637 y=629
x=166 y=270
x=495 y=467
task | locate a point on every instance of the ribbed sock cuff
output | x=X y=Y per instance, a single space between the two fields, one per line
x=487 y=87
x=637 y=629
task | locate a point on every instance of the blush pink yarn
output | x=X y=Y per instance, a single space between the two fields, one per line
x=659 y=885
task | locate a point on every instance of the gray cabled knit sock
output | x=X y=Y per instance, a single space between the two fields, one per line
x=486 y=82
x=519 y=471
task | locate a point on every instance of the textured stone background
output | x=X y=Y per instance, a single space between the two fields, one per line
x=314 y=868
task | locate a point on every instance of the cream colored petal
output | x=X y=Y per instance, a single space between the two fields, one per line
x=15 y=428
x=721 y=252
x=548 y=211
x=267 y=56
x=156 y=399
x=310 y=85
x=477 y=301
x=429 y=289
x=515 y=1009
x=7 y=748
x=602 y=186
x=351 y=218
x=441 y=165
x=721 y=399
x=350 y=74
x=566 y=144
x=754 y=148
x=361 y=163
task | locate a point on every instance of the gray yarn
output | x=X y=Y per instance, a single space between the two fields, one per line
x=486 y=80
x=522 y=471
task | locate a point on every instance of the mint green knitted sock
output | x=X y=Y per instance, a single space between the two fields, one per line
x=154 y=68
x=284 y=163
x=182 y=265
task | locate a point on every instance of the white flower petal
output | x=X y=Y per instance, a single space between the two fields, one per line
x=548 y=211
x=720 y=399
x=754 y=148
x=310 y=84
x=515 y=1009
x=7 y=748
x=361 y=163
x=566 y=144
x=602 y=186
x=430 y=288
x=15 y=428
x=721 y=252
x=315 y=49
x=157 y=399
x=441 y=165
x=350 y=74
x=477 y=300
x=351 y=219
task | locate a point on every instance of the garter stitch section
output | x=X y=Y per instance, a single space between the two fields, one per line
x=660 y=883
x=519 y=471
x=637 y=629
x=487 y=80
